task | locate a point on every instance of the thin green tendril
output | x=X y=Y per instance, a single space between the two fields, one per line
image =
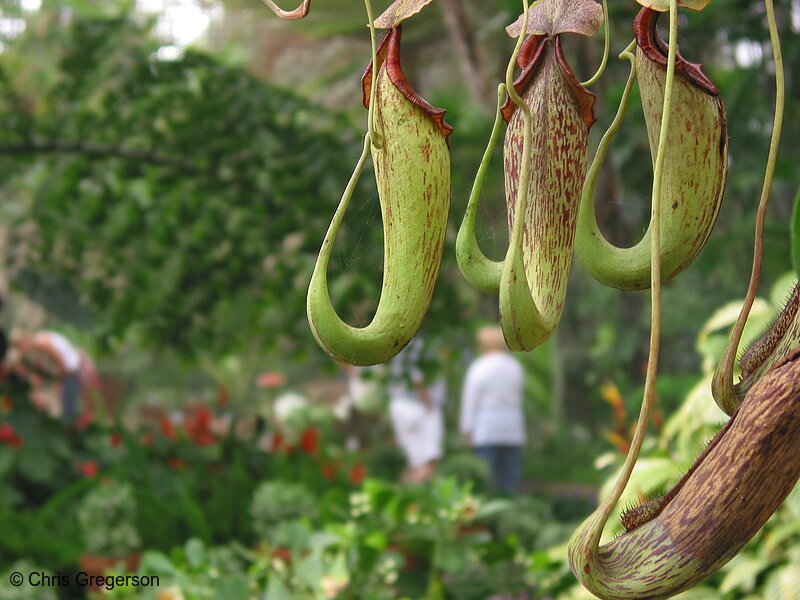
x=338 y=216
x=606 y=43
x=502 y=89
x=525 y=173
x=723 y=376
x=483 y=168
x=622 y=110
x=375 y=137
x=655 y=283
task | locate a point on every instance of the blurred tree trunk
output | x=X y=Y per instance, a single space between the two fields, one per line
x=470 y=53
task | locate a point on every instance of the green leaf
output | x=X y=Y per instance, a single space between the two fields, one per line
x=792 y=503
x=782 y=289
x=7 y=455
x=38 y=466
x=783 y=583
x=321 y=540
x=794 y=233
x=493 y=507
x=376 y=540
x=310 y=569
x=154 y=562
x=276 y=590
x=232 y=588
x=450 y=556
x=780 y=534
x=294 y=534
x=195 y=553
x=699 y=593
x=742 y=574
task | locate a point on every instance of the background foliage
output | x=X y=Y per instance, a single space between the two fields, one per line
x=180 y=201
x=165 y=205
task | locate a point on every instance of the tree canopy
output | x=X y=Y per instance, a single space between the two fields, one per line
x=184 y=199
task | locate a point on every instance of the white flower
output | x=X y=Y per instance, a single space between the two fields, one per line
x=331 y=585
x=288 y=405
x=341 y=410
x=390 y=577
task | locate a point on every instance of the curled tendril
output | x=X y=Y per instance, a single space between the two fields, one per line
x=606 y=45
x=722 y=387
x=290 y=15
x=584 y=547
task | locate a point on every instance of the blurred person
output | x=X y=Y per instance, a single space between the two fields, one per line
x=55 y=369
x=416 y=413
x=492 y=420
x=357 y=407
x=12 y=385
x=363 y=389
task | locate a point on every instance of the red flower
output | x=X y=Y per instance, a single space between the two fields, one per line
x=203 y=438
x=282 y=554
x=309 y=441
x=147 y=438
x=9 y=436
x=198 y=426
x=84 y=420
x=270 y=380
x=177 y=463
x=277 y=442
x=167 y=428
x=6 y=431
x=89 y=468
x=329 y=470
x=202 y=416
x=223 y=397
x=358 y=473
x=115 y=440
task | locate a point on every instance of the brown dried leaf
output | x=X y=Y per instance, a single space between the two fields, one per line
x=399 y=11
x=290 y=15
x=551 y=17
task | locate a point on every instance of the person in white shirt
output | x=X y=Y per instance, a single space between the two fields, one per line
x=416 y=413
x=48 y=359
x=492 y=420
